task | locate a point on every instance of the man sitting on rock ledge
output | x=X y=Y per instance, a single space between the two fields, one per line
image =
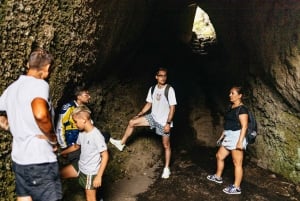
x=161 y=99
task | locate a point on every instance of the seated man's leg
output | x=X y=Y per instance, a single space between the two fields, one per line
x=140 y=121
x=69 y=171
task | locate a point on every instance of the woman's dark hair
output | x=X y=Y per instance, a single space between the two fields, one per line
x=39 y=58
x=239 y=89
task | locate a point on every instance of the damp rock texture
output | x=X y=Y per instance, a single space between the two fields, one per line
x=109 y=46
x=260 y=40
x=83 y=36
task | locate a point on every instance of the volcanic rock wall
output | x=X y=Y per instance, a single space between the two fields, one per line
x=261 y=42
x=93 y=40
x=83 y=36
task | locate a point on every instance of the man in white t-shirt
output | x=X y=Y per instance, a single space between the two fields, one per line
x=162 y=107
x=30 y=117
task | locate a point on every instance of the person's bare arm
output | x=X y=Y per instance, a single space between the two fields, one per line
x=171 y=113
x=104 y=160
x=43 y=118
x=4 y=123
x=167 y=127
x=243 y=118
x=145 y=109
x=70 y=149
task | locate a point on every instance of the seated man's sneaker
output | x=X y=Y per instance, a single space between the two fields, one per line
x=166 y=173
x=117 y=144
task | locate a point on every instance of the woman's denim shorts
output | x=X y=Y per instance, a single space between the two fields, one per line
x=231 y=138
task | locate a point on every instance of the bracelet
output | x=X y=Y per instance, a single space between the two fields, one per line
x=52 y=143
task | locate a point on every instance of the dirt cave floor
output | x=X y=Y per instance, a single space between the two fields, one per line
x=188 y=182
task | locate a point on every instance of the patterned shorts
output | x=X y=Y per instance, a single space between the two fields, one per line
x=159 y=129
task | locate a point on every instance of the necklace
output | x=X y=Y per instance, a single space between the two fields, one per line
x=235 y=106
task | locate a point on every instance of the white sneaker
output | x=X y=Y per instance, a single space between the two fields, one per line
x=117 y=144
x=166 y=173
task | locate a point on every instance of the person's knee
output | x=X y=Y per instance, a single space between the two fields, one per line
x=237 y=162
x=166 y=145
x=219 y=156
x=131 y=123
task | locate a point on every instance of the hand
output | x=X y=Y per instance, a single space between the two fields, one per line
x=239 y=146
x=44 y=137
x=41 y=136
x=97 y=181
x=135 y=117
x=4 y=123
x=167 y=128
x=219 y=141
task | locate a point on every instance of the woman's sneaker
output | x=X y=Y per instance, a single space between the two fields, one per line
x=232 y=190
x=215 y=178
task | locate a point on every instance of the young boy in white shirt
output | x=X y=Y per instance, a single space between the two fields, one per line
x=94 y=155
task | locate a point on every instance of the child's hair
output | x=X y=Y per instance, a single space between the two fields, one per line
x=82 y=110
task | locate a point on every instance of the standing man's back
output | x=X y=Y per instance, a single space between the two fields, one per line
x=29 y=112
x=23 y=127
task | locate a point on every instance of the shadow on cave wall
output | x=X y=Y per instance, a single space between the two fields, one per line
x=188 y=72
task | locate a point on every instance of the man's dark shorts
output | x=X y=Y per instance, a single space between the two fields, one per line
x=40 y=181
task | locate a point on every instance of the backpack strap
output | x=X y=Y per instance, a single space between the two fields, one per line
x=237 y=115
x=166 y=91
x=152 y=90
